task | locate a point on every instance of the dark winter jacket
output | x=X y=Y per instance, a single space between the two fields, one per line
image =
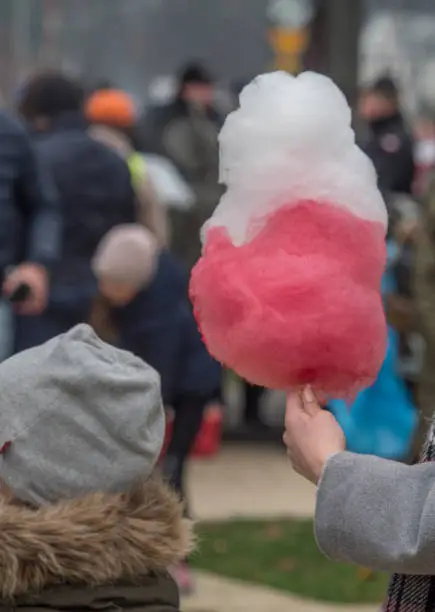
x=391 y=150
x=30 y=223
x=94 y=188
x=102 y=552
x=159 y=326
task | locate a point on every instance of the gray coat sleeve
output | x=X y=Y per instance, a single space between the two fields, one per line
x=377 y=513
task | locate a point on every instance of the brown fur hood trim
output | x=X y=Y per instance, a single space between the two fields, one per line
x=97 y=540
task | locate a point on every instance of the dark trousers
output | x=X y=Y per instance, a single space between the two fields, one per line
x=253 y=396
x=189 y=411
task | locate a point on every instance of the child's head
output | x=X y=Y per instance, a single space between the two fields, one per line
x=125 y=262
x=77 y=416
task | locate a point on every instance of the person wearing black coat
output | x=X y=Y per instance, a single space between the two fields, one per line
x=30 y=223
x=387 y=141
x=146 y=291
x=95 y=190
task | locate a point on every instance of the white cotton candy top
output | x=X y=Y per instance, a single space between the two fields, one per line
x=291 y=139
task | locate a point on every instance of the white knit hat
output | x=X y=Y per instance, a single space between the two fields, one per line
x=127 y=254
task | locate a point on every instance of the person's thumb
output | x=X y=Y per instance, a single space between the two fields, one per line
x=294 y=407
x=310 y=402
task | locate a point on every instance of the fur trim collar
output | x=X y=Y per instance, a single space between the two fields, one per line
x=97 y=540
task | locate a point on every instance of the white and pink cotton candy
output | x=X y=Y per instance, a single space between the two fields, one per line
x=287 y=292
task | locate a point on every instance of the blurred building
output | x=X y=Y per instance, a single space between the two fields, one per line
x=133 y=42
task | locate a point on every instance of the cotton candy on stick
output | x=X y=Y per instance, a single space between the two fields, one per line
x=287 y=292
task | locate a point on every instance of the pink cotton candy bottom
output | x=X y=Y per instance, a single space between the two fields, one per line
x=298 y=304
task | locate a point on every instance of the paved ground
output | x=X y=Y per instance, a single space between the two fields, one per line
x=249 y=481
x=236 y=597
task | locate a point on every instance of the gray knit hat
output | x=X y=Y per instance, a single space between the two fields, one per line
x=77 y=416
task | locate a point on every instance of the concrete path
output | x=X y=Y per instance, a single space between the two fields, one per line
x=215 y=594
x=257 y=482
x=248 y=481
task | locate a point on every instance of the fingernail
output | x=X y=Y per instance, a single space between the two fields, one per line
x=308 y=395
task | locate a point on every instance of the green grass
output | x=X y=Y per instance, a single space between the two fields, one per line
x=283 y=555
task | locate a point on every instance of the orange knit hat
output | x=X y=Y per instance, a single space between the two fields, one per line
x=112 y=107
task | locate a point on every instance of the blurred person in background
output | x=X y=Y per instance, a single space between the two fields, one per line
x=251 y=415
x=30 y=224
x=387 y=141
x=424 y=149
x=112 y=114
x=424 y=290
x=146 y=292
x=95 y=192
x=186 y=131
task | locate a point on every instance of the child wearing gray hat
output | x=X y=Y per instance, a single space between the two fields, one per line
x=147 y=291
x=82 y=523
